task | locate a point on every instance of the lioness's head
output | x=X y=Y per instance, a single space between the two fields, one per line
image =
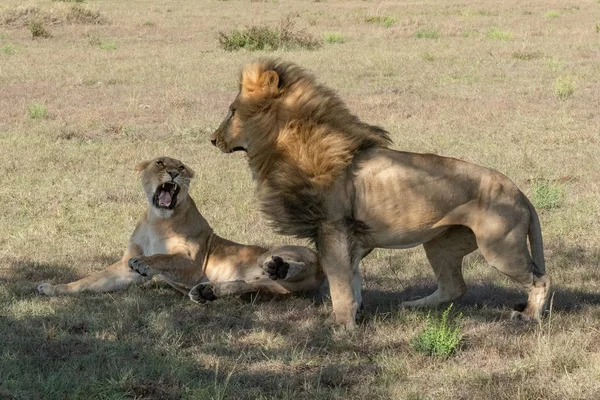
x=166 y=183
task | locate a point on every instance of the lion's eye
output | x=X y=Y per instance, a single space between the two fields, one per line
x=160 y=164
x=181 y=168
x=232 y=110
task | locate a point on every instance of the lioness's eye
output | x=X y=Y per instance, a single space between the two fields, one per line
x=160 y=164
x=181 y=168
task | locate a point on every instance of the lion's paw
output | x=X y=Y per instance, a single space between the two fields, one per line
x=202 y=293
x=276 y=268
x=139 y=266
x=46 y=288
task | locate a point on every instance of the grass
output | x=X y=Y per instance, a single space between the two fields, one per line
x=527 y=55
x=428 y=34
x=38 y=29
x=71 y=200
x=8 y=49
x=552 y=14
x=387 y=21
x=564 y=86
x=107 y=45
x=439 y=338
x=547 y=195
x=334 y=37
x=497 y=34
x=265 y=38
x=37 y=111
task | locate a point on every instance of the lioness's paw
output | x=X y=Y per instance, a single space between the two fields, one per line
x=46 y=288
x=276 y=268
x=202 y=293
x=139 y=266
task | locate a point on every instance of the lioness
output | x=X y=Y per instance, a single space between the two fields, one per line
x=323 y=174
x=174 y=241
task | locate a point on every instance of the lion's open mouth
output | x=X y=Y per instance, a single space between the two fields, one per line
x=166 y=195
x=239 y=148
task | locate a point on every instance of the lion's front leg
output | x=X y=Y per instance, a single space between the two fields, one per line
x=344 y=283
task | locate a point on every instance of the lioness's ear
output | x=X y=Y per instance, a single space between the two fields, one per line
x=141 y=166
x=190 y=172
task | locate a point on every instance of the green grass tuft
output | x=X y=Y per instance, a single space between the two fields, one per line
x=552 y=14
x=107 y=45
x=441 y=338
x=564 y=86
x=496 y=34
x=37 y=29
x=37 y=111
x=334 y=37
x=8 y=49
x=547 y=195
x=428 y=34
x=265 y=38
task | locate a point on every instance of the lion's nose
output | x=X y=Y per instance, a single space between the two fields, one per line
x=213 y=141
x=173 y=174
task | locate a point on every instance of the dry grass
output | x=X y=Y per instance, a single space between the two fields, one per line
x=70 y=199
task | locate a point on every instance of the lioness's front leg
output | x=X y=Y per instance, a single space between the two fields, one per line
x=178 y=266
x=116 y=277
x=335 y=257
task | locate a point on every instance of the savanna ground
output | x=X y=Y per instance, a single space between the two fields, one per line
x=511 y=85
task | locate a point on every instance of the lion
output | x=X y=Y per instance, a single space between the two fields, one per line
x=175 y=242
x=323 y=174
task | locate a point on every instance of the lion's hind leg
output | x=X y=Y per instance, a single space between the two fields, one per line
x=445 y=254
x=512 y=258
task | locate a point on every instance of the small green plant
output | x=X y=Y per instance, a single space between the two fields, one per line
x=37 y=29
x=428 y=33
x=334 y=37
x=552 y=14
x=389 y=21
x=37 y=111
x=546 y=195
x=496 y=34
x=556 y=65
x=107 y=45
x=268 y=39
x=8 y=49
x=441 y=338
x=564 y=86
x=428 y=57
x=70 y=1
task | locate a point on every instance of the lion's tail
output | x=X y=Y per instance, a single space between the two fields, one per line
x=535 y=239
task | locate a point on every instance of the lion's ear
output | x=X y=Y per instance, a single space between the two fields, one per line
x=269 y=82
x=141 y=166
x=257 y=82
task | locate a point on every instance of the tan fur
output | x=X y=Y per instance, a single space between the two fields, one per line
x=323 y=174
x=181 y=248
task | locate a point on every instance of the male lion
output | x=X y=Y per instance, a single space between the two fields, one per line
x=323 y=174
x=174 y=241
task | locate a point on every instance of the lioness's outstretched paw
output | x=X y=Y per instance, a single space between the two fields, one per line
x=139 y=266
x=276 y=268
x=202 y=293
x=46 y=288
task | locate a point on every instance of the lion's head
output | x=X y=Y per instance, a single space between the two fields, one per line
x=280 y=108
x=166 y=182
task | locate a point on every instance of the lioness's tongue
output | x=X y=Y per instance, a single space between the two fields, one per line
x=164 y=199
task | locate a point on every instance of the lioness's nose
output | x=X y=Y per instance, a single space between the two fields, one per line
x=173 y=174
